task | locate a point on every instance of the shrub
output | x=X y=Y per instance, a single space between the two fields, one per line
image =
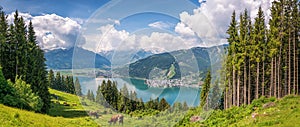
x=26 y=98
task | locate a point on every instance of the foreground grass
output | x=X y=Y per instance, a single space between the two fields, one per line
x=285 y=113
x=20 y=118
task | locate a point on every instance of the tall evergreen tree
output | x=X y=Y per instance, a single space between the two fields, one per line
x=77 y=87
x=205 y=90
x=51 y=79
x=163 y=105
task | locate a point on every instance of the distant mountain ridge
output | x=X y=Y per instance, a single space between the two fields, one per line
x=63 y=59
x=194 y=62
x=129 y=56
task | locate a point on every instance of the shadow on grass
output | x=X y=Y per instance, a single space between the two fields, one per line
x=59 y=110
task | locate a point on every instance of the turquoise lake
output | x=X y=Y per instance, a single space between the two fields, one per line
x=171 y=94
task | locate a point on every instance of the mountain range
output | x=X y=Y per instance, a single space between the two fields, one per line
x=63 y=59
x=140 y=64
x=194 y=62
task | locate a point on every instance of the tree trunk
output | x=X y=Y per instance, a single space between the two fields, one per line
x=238 y=89
x=229 y=93
x=249 y=82
x=279 y=74
x=289 y=64
x=286 y=86
x=275 y=77
x=294 y=63
x=225 y=98
x=263 y=80
x=271 y=78
x=234 y=87
x=245 y=83
x=257 y=80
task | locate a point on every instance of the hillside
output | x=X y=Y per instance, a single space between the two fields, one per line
x=284 y=112
x=63 y=59
x=185 y=63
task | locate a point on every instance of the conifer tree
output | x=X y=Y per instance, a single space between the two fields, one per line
x=205 y=90
x=77 y=87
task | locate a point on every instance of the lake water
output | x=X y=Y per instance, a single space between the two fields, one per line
x=171 y=94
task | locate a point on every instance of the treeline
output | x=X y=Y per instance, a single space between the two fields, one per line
x=127 y=101
x=261 y=60
x=64 y=83
x=20 y=56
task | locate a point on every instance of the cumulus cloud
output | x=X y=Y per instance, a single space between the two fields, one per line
x=210 y=21
x=160 y=25
x=52 y=31
x=109 y=38
x=182 y=29
x=205 y=26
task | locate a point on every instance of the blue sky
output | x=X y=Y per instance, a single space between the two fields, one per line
x=66 y=8
x=59 y=22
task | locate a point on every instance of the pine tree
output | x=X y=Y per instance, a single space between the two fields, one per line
x=99 y=98
x=58 y=81
x=77 y=87
x=38 y=72
x=233 y=40
x=92 y=96
x=123 y=99
x=215 y=95
x=259 y=41
x=163 y=105
x=3 y=38
x=185 y=106
x=205 y=90
x=51 y=79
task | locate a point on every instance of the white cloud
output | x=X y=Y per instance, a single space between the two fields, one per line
x=211 y=20
x=206 y=26
x=160 y=25
x=109 y=38
x=182 y=29
x=52 y=31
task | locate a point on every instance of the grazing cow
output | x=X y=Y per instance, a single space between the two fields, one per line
x=195 y=119
x=95 y=114
x=116 y=118
x=66 y=104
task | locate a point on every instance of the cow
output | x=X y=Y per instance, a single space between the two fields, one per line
x=116 y=118
x=195 y=119
x=66 y=104
x=95 y=114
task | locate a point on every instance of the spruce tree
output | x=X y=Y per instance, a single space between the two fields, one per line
x=163 y=105
x=205 y=90
x=77 y=87
x=51 y=79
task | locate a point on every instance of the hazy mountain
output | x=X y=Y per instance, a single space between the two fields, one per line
x=173 y=65
x=63 y=58
x=118 y=58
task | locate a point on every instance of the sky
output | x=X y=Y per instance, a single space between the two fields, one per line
x=156 y=25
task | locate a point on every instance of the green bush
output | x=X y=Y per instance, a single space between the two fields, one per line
x=26 y=99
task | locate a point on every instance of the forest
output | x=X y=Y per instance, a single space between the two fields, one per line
x=23 y=65
x=262 y=59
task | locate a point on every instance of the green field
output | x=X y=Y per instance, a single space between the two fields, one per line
x=286 y=112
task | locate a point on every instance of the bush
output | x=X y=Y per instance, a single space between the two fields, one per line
x=24 y=98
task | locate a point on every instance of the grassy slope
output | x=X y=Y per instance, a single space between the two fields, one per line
x=66 y=117
x=286 y=113
x=72 y=116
